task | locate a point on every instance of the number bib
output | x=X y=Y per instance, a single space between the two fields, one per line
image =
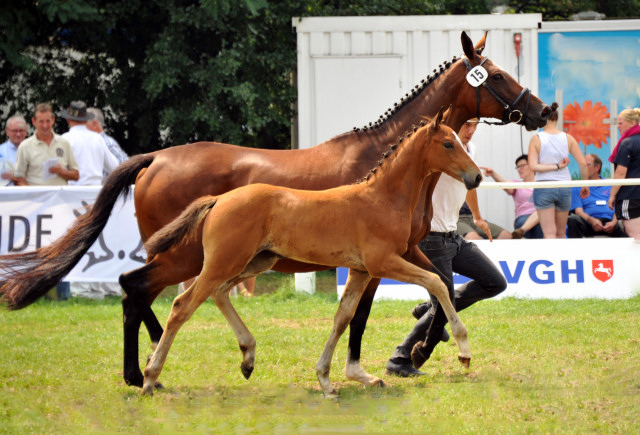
x=477 y=76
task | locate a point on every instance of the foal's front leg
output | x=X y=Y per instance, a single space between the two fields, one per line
x=356 y=282
x=401 y=270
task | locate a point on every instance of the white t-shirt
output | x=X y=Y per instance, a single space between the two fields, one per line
x=448 y=197
x=92 y=155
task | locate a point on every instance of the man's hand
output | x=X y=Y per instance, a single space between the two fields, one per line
x=484 y=226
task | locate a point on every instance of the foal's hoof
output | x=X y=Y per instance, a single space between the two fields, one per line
x=246 y=371
x=381 y=384
x=147 y=390
x=465 y=361
x=418 y=355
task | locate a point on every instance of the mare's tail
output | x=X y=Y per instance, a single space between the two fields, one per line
x=26 y=277
x=181 y=228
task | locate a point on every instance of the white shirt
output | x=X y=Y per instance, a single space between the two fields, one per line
x=448 y=197
x=92 y=155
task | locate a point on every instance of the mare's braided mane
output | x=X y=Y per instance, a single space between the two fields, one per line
x=417 y=90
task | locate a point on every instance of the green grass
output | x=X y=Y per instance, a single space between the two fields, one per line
x=538 y=367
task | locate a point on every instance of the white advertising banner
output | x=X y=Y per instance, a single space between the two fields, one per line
x=31 y=217
x=602 y=268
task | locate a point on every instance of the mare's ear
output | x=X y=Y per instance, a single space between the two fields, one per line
x=481 y=43
x=438 y=119
x=467 y=46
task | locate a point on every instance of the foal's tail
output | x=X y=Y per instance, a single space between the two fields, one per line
x=25 y=277
x=182 y=228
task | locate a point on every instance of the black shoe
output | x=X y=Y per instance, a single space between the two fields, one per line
x=403 y=370
x=421 y=309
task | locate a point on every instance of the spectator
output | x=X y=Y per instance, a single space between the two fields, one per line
x=89 y=148
x=526 y=223
x=97 y=124
x=46 y=158
x=466 y=226
x=549 y=157
x=626 y=157
x=94 y=159
x=592 y=215
x=16 y=130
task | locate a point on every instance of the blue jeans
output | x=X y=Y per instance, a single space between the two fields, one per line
x=452 y=254
x=63 y=290
x=533 y=233
x=558 y=197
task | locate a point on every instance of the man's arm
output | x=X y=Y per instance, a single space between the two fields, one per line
x=67 y=174
x=472 y=202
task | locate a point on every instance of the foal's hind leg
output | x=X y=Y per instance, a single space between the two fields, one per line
x=183 y=307
x=353 y=370
x=352 y=293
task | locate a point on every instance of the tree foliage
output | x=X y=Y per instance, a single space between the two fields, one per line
x=168 y=72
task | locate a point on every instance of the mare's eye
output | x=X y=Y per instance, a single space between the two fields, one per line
x=497 y=77
x=448 y=145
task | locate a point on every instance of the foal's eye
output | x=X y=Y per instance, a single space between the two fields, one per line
x=448 y=145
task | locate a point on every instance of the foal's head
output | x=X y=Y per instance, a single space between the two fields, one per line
x=444 y=152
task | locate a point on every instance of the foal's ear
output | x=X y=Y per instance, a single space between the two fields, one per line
x=438 y=119
x=447 y=115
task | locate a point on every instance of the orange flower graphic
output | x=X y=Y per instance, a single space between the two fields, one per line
x=585 y=123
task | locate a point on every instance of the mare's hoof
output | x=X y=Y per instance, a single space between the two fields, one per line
x=246 y=371
x=147 y=391
x=134 y=381
x=465 y=361
x=158 y=386
x=381 y=384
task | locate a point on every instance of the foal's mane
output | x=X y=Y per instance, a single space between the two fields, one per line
x=417 y=90
x=392 y=148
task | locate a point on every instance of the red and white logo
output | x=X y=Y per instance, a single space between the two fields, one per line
x=602 y=269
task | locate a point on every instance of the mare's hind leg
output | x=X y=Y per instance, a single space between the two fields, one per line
x=141 y=286
x=353 y=370
x=356 y=283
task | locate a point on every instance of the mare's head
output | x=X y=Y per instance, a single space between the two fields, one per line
x=495 y=93
x=445 y=153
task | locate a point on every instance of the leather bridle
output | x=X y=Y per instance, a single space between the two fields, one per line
x=511 y=114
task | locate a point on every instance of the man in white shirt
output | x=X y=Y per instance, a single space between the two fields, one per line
x=94 y=160
x=89 y=148
x=449 y=252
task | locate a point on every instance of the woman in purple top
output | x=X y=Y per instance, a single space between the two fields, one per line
x=526 y=223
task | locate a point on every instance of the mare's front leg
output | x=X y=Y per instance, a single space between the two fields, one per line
x=353 y=370
x=356 y=283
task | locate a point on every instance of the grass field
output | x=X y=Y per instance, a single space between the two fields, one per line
x=538 y=367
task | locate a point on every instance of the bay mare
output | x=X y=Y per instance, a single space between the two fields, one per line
x=168 y=180
x=364 y=227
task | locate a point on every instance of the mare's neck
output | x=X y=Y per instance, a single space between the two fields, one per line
x=424 y=105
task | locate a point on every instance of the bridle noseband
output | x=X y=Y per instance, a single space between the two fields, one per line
x=511 y=114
